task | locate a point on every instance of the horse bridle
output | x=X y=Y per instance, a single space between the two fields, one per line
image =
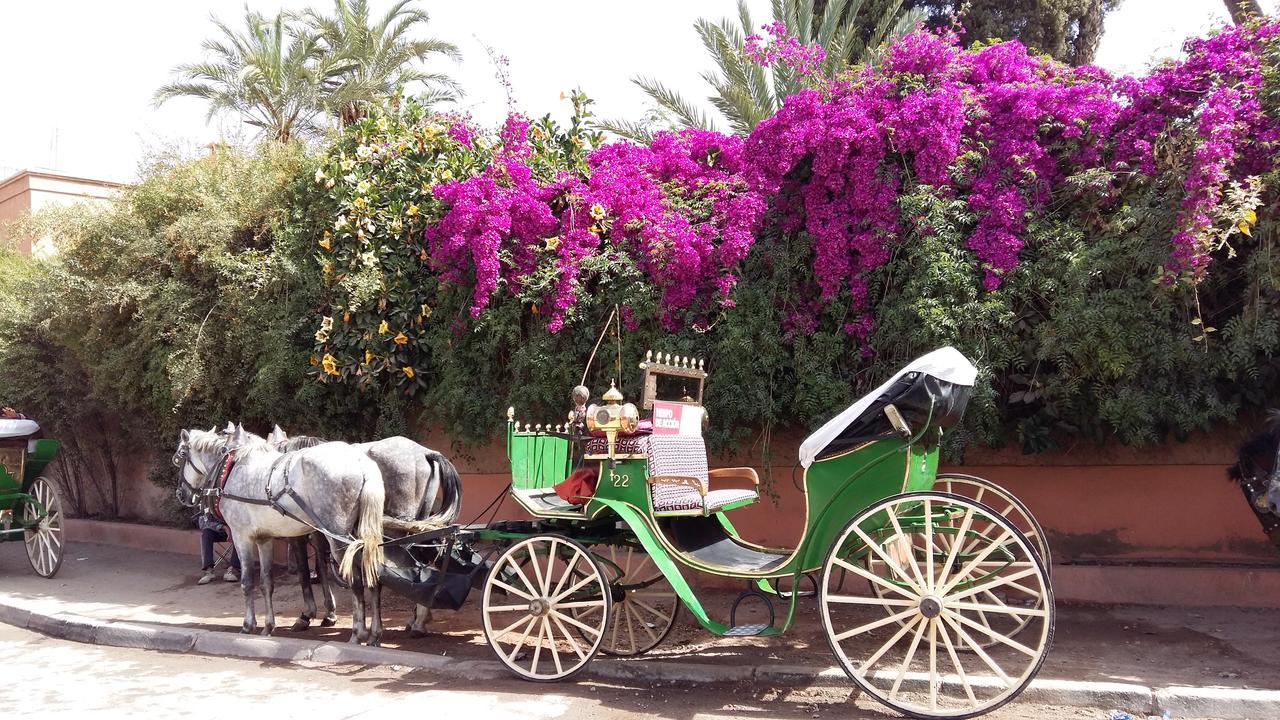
x=182 y=460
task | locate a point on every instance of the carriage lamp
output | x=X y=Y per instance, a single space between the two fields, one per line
x=612 y=417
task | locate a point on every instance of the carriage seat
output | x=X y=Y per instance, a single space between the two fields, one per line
x=681 y=481
x=678 y=474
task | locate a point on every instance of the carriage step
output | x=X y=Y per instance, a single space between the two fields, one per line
x=749 y=630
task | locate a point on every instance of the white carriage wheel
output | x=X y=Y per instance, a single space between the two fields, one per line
x=536 y=591
x=910 y=660
x=645 y=605
x=43 y=537
x=1003 y=501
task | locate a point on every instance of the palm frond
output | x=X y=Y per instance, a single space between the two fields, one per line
x=628 y=129
x=675 y=103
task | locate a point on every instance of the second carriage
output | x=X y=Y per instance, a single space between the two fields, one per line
x=30 y=506
x=933 y=591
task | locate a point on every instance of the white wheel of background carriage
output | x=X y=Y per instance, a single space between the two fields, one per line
x=1003 y=501
x=932 y=656
x=645 y=606
x=546 y=606
x=44 y=539
x=1012 y=509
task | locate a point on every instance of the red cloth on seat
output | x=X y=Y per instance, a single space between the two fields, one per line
x=578 y=487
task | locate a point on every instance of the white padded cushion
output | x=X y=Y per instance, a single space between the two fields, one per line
x=717 y=499
x=682 y=455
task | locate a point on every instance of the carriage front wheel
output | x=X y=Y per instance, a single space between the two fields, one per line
x=43 y=523
x=546 y=607
x=925 y=645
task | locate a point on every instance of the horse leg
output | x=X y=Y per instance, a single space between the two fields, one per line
x=266 y=565
x=244 y=549
x=375 y=630
x=323 y=555
x=418 y=625
x=298 y=548
x=358 y=633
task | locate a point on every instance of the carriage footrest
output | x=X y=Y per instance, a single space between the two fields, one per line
x=750 y=630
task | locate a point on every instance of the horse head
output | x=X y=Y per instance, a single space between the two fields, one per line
x=197 y=457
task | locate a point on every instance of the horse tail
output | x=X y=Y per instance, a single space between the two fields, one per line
x=368 y=532
x=451 y=486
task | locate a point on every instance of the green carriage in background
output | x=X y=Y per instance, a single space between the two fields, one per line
x=933 y=591
x=30 y=507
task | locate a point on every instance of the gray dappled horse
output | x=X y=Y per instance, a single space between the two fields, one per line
x=261 y=497
x=412 y=475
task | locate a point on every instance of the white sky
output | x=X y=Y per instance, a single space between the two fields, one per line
x=77 y=76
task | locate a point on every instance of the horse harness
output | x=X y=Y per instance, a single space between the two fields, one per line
x=213 y=493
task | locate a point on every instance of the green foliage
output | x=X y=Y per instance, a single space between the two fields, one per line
x=372 y=59
x=253 y=284
x=267 y=73
x=283 y=73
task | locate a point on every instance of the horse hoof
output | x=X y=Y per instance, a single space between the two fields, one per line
x=416 y=633
x=353 y=640
x=375 y=642
x=245 y=630
x=266 y=631
x=329 y=622
x=301 y=624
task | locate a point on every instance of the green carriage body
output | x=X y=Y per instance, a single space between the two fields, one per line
x=836 y=488
x=944 y=570
x=20 y=465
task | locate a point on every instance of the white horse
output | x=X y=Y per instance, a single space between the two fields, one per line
x=263 y=494
x=412 y=474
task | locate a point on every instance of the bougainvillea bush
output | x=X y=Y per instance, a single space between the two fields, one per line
x=1091 y=241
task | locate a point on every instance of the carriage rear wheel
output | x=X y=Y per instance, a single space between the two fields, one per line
x=43 y=536
x=546 y=607
x=940 y=559
x=645 y=605
x=1004 y=502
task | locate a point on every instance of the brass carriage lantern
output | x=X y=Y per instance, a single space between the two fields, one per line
x=612 y=417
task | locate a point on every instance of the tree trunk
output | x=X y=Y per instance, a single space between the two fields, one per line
x=1241 y=10
x=1088 y=34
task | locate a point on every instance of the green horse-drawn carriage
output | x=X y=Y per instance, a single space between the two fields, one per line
x=932 y=591
x=29 y=503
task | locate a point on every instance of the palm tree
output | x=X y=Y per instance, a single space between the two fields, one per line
x=746 y=93
x=267 y=73
x=371 y=60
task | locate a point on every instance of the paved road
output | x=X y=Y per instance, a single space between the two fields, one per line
x=44 y=678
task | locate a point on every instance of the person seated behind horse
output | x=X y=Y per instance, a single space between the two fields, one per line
x=212 y=531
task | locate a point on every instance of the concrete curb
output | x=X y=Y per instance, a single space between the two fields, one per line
x=1223 y=703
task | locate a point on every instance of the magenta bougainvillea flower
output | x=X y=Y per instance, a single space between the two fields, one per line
x=997 y=128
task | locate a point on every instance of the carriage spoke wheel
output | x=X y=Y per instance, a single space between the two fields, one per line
x=43 y=536
x=546 y=607
x=645 y=605
x=941 y=650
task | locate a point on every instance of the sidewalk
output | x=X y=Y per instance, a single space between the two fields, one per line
x=1200 y=659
